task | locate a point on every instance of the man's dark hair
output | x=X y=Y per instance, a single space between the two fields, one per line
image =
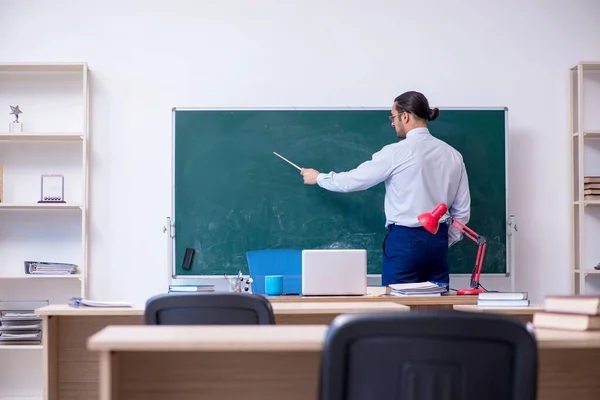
x=417 y=104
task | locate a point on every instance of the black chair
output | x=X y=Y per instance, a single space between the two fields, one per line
x=441 y=355
x=208 y=309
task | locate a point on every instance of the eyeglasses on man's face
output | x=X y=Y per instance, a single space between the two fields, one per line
x=391 y=117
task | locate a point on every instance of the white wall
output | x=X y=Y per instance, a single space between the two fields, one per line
x=149 y=56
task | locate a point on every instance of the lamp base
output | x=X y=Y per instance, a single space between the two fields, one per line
x=470 y=291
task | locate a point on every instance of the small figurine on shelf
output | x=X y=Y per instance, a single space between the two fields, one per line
x=15 y=126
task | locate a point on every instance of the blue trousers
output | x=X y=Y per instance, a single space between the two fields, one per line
x=415 y=255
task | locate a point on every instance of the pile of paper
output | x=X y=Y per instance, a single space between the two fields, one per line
x=417 y=289
x=79 y=302
x=20 y=327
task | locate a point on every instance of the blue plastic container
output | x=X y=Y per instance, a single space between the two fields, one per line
x=285 y=262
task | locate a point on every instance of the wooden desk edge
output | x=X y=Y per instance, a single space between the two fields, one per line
x=529 y=310
x=190 y=338
x=278 y=338
x=450 y=300
x=66 y=310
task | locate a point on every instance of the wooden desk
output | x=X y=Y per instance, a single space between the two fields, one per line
x=257 y=362
x=522 y=313
x=414 y=302
x=71 y=371
x=322 y=313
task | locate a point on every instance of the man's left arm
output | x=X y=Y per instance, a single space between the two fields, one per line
x=366 y=175
x=461 y=207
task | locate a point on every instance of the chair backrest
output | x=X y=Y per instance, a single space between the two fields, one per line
x=286 y=262
x=208 y=309
x=441 y=355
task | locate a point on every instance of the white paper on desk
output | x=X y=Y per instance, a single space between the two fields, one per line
x=416 y=294
x=93 y=303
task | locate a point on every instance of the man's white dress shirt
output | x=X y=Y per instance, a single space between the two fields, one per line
x=419 y=172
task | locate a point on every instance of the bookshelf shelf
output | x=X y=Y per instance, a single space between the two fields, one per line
x=40 y=206
x=585 y=173
x=21 y=347
x=41 y=137
x=591 y=134
x=587 y=271
x=44 y=67
x=34 y=276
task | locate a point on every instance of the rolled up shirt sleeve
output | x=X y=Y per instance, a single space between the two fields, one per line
x=366 y=175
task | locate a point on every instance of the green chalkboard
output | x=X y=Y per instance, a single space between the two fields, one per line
x=232 y=194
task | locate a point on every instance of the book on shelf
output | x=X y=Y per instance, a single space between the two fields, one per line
x=49 y=268
x=576 y=313
x=591 y=179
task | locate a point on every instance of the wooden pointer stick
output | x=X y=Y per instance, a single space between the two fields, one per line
x=284 y=159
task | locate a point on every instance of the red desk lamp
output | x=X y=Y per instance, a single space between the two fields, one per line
x=431 y=222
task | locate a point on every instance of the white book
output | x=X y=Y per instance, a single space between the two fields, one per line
x=503 y=303
x=502 y=296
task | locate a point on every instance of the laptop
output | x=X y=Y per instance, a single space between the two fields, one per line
x=334 y=272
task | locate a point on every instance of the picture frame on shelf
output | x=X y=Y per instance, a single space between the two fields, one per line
x=52 y=189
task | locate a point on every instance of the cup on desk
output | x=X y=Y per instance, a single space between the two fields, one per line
x=274 y=285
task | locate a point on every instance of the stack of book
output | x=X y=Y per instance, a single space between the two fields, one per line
x=418 y=289
x=503 y=299
x=573 y=313
x=591 y=188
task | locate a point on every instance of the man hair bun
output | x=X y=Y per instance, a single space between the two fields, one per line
x=432 y=114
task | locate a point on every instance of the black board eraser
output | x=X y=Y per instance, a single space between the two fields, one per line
x=188 y=258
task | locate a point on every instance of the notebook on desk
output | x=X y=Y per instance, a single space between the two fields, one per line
x=335 y=272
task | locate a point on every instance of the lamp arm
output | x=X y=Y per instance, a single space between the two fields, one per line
x=481 y=243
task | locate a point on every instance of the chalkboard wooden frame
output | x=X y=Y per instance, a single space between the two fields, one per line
x=170 y=227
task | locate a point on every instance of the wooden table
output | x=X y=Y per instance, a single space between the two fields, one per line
x=257 y=362
x=414 y=302
x=322 y=313
x=521 y=313
x=71 y=371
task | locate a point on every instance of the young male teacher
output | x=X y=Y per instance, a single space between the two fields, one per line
x=419 y=172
